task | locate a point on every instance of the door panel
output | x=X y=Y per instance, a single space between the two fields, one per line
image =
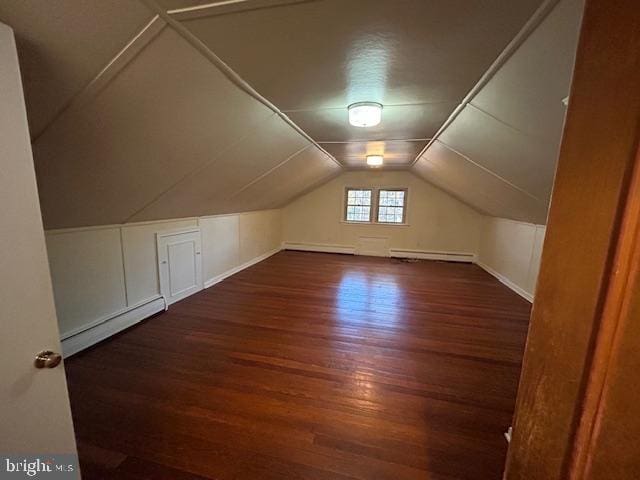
x=35 y=417
x=182 y=267
x=180 y=264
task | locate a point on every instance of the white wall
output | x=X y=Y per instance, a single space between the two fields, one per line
x=102 y=272
x=436 y=220
x=230 y=241
x=511 y=251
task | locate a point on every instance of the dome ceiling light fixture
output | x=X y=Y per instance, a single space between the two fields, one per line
x=375 y=160
x=365 y=114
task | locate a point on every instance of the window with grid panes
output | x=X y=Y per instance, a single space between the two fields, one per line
x=391 y=206
x=358 y=205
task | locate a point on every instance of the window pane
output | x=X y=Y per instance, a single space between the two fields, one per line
x=391 y=206
x=358 y=214
x=358 y=205
x=359 y=197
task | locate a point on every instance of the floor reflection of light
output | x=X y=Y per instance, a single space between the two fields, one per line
x=368 y=307
x=368 y=299
x=364 y=388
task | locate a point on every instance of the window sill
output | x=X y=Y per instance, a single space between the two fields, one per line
x=382 y=224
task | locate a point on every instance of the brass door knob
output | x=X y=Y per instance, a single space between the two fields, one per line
x=48 y=359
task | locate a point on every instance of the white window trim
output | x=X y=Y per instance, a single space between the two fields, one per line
x=345 y=205
x=374 y=206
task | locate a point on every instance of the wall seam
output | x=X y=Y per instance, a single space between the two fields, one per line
x=124 y=269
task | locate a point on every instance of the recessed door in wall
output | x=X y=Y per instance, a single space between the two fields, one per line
x=179 y=264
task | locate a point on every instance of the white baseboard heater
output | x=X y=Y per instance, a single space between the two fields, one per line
x=76 y=341
x=319 y=247
x=433 y=255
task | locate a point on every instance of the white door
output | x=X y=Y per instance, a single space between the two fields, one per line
x=35 y=419
x=179 y=264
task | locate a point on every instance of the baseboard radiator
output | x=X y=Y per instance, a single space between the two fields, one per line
x=76 y=341
x=433 y=255
x=319 y=247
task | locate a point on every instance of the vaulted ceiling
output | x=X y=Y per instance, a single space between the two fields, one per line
x=498 y=152
x=142 y=110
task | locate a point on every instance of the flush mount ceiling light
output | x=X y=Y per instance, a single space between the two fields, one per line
x=375 y=160
x=365 y=114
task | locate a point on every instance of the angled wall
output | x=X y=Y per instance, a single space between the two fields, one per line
x=193 y=144
x=499 y=152
x=131 y=121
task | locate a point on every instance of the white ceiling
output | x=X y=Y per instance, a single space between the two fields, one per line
x=139 y=114
x=314 y=58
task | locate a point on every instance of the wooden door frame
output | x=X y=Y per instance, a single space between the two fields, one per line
x=573 y=319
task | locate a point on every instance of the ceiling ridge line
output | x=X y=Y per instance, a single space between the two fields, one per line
x=269 y=172
x=297 y=110
x=491 y=172
x=207 y=9
x=334 y=142
x=525 y=32
x=124 y=56
x=247 y=133
x=206 y=6
x=230 y=73
x=387 y=168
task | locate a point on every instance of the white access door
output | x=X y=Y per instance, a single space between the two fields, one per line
x=35 y=417
x=179 y=264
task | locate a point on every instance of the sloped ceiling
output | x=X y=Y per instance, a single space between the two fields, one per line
x=153 y=130
x=63 y=44
x=499 y=152
x=144 y=110
x=314 y=58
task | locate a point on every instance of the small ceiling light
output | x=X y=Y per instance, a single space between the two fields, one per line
x=365 y=114
x=375 y=160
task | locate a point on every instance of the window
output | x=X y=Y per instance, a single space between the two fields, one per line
x=358 y=205
x=391 y=206
x=372 y=205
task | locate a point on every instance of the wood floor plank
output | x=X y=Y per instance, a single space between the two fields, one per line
x=310 y=366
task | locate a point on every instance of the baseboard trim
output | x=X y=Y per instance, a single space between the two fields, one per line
x=520 y=291
x=218 y=278
x=319 y=247
x=463 y=257
x=90 y=336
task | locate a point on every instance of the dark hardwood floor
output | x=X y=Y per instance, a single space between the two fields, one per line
x=309 y=366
